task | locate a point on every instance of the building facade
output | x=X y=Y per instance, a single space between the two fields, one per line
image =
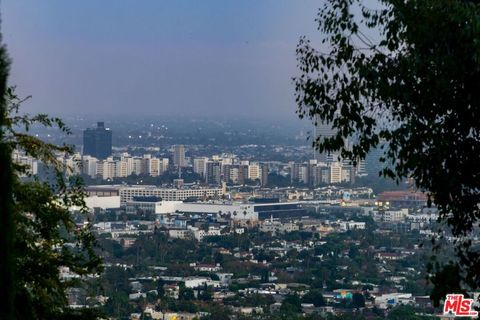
x=97 y=142
x=179 y=155
x=167 y=194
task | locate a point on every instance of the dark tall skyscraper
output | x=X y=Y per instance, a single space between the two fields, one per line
x=214 y=173
x=264 y=176
x=97 y=142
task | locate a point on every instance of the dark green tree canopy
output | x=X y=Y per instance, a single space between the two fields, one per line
x=314 y=296
x=404 y=76
x=45 y=237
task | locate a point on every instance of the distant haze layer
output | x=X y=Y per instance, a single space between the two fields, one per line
x=195 y=58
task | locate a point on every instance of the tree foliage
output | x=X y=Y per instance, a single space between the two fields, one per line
x=44 y=236
x=404 y=76
x=314 y=296
x=291 y=305
x=6 y=200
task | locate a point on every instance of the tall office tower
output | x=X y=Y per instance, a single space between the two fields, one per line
x=311 y=165
x=214 y=173
x=335 y=172
x=89 y=166
x=373 y=165
x=348 y=174
x=264 y=174
x=227 y=172
x=232 y=175
x=303 y=174
x=315 y=175
x=97 y=142
x=320 y=174
x=122 y=168
x=163 y=165
x=242 y=173
x=360 y=169
x=294 y=172
x=253 y=171
x=179 y=156
x=138 y=166
x=129 y=164
x=200 y=166
x=154 y=167
x=109 y=168
x=325 y=175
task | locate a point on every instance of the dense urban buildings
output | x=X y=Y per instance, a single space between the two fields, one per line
x=269 y=227
x=213 y=170
x=231 y=247
x=208 y=199
x=237 y=226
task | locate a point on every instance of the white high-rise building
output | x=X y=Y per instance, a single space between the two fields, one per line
x=179 y=155
x=200 y=166
x=22 y=159
x=335 y=172
x=154 y=167
x=303 y=174
x=73 y=164
x=129 y=163
x=347 y=173
x=254 y=171
x=164 y=165
x=109 y=168
x=122 y=168
x=233 y=174
x=227 y=161
x=89 y=166
x=361 y=168
x=138 y=165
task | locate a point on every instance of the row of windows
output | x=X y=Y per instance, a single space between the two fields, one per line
x=169 y=195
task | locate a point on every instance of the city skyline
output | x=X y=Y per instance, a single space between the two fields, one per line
x=234 y=160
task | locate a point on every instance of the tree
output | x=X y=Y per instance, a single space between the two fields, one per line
x=41 y=230
x=314 y=296
x=358 y=300
x=291 y=305
x=186 y=293
x=7 y=285
x=160 y=288
x=206 y=294
x=403 y=312
x=217 y=311
x=388 y=81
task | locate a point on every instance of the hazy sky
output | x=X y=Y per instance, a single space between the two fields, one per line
x=155 y=57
